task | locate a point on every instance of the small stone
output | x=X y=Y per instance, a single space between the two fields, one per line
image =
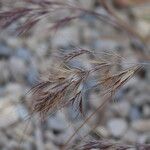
x=144 y=26
x=102 y=131
x=32 y=76
x=18 y=68
x=42 y=50
x=22 y=130
x=105 y=44
x=87 y=4
x=142 y=99
x=65 y=37
x=57 y=123
x=62 y=138
x=22 y=112
x=14 y=92
x=49 y=136
x=3 y=139
x=134 y=113
x=141 y=125
x=95 y=100
x=146 y=110
x=8 y=115
x=5 y=52
x=4 y=72
x=121 y=108
x=14 y=42
x=26 y=146
x=144 y=138
x=32 y=43
x=12 y=145
x=23 y=54
x=130 y=136
x=50 y=146
x=117 y=127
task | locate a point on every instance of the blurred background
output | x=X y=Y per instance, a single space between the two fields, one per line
x=24 y=58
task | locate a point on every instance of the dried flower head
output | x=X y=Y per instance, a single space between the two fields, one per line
x=62 y=87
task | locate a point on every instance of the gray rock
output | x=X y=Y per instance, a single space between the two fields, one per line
x=23 y=54
x=42 y=50
x=87 y=4
x=146 y=110
x=2 y=91
x=105 y=44
x=4 y=72
x=14 y=42
x=8 y=115
x=141 y=125
x=117 y=127
x=144 y=138
x=102 y=131
x=32 y=76
x=63 y=137
x=57 y=123
x=142 y=99
x=65 y=37
x=12 y=145
x=134 y=113
x=50 y=146
x=130 y=136
x=22 y=112
x=121 y=108
x=3 y=139
x=18 y=69
x=14 y=92
x=5 y=51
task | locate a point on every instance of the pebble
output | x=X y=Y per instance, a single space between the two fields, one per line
x=23 y=131
x=23 y=54
x=14 y=92
x=18 y=69
x=32 y=44
x=12 y=145
x=102 y=131
x=57 y=123
x=141 y=99
x=5 y=51
x=4 y=72
x=65 y=37
x=3 y=139
x=144 y=26
x=134 y=113
x=32 y=75
x=146 y=110
x=130 y=136
x=50 y=146
x=141 y=125
x=14 y=42
x=42 y=50
x=117 y=127
x=95 y=100
x=22 y=112
x=105 y=44
x=8 y=115
x=88 y=4
x=121 y=108
x=144 y=138
x=62 y=138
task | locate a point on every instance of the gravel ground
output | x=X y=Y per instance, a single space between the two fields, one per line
x=22 y=59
